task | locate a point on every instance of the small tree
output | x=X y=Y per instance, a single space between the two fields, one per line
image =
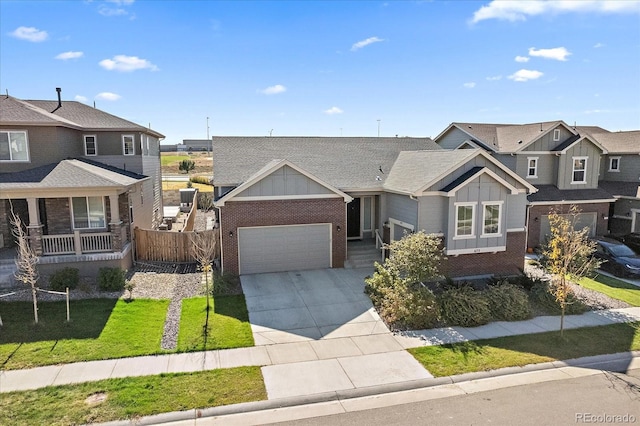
x=568 y=256
x=204 y=248
x=186 y=166
x=26 y=260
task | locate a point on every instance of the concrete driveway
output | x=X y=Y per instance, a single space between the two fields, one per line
x=288 y=307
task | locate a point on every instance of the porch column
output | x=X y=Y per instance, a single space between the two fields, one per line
x=115 y=226
x=34 y=228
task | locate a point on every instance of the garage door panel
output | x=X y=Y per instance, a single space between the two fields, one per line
x=584 y=220
x=284 y=248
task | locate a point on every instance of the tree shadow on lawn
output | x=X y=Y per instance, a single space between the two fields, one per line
x=88 y=319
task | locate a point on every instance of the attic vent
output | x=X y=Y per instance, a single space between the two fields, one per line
x=519 y=142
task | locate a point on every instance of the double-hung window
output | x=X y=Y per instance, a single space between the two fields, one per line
x=491 y=218
x=579 y=173
x=90 y=145
x=532 y=167
x=88 y=212
x=556 y=135
x=614 y=164
x=14 y=146
x=128 y=147
x=465 y=214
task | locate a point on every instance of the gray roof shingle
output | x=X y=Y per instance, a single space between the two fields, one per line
x=507 y=137
x=343 y=162
x=551 y=193
x=620 y=142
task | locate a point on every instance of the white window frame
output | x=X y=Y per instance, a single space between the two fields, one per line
x=617 y=169
x=535 y=168
x=95 y=145
x=104 y=213
x=484 y=218
x=26 y=141
x=573 y=170
x=133 y=145
x=473 y=221
x=556 y=135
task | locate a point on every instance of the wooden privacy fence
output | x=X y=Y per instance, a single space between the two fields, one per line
x=163 y=246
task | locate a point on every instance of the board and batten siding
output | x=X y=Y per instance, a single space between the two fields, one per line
x=515 y=209
x=402 y=208
x=432 y=214
x=511 y=161
x=152 y=189
x=546 y=142
x=284 y=181
x=565 y=166
x=547 y=173
x=629 y=168
x=477 y=161
x=453 y=138
x=483 y=188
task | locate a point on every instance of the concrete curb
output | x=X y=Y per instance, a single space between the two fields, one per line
x=617 y=363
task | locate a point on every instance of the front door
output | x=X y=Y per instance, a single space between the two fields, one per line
x=353 y=219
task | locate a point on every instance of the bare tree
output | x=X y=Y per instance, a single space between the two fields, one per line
x=204 y=248
x=26 y=261
x=568 y=256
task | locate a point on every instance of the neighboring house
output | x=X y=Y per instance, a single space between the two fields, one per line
x=620 y=176
x=291 y=203
x=80 y=179
x=567 y=165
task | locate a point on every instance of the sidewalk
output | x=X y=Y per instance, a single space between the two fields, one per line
x=306 y=368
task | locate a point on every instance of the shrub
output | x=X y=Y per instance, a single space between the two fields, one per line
x=63 y=279
x=508 y=302
x=186 y=166
x=111 y=279
x=410 y=307
x=464 y=306
x=200 y=179
x=542 y=296
x=379 y=285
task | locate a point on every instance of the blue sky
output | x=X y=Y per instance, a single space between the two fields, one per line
x=328 y=68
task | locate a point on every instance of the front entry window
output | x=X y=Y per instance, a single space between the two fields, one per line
x=88 y=212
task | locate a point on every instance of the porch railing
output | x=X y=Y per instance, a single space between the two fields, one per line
x=76 y=243
x=380 y=244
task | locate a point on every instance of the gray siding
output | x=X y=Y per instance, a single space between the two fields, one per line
x=152 y=190
x=453 y=138
x=546 y=142
x=516 y=211
x=132 y=163
x=629 y=168
x=547 y=168
x=483 y=188
x=432 y=214
x=403 y=208
x=565 y=166
x=511 y=161
x=285 y=181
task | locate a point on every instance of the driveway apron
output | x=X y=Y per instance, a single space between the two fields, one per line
x=322 y=333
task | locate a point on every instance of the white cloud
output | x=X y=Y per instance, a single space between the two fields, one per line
x=522 y=59
x=518 y=10
x=69 y=55
x=121 y=2
x=470 y=85
x=105 y=10
x=333 y=110
x=494 y=78
x=525 y=75
x=273 y=90
x=125 y=63
x=107 y=96
x=557 y=53
x=81 y=98
x=30 y=34
x=366 y=42
x=598 y=45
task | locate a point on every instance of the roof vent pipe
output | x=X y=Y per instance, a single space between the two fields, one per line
x=59 y=99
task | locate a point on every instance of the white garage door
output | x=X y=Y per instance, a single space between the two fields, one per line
x=284 y=248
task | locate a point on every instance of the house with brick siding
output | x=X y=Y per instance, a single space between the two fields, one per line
x=293 y=203
x=567 y=165
x=80 y=179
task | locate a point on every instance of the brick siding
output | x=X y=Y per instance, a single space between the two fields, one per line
x=282 y=212
x=507 y=262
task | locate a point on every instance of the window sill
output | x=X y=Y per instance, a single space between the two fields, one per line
x=532 y=177
x=490 y=235
x=464 y=237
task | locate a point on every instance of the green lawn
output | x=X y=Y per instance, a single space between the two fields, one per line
x=166 y=160
x=132 y=397
x=613 y=288
x=99 y=329
x=491 y=354
x=228 y=324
